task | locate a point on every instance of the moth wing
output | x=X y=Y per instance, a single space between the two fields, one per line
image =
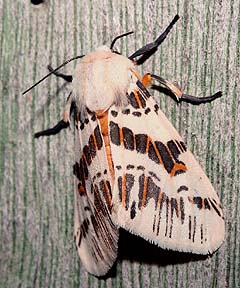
x=95 y=235
x=160 y=192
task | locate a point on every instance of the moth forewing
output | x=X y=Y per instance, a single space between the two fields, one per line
x=160 y=193
x=96 y=236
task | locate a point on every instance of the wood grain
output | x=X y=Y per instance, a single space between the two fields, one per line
x=36 y=183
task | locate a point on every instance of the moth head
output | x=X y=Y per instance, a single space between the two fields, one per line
x=102 y=79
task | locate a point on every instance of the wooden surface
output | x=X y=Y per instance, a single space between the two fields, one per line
x=36 y=183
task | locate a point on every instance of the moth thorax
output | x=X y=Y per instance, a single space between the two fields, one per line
x=101 y=80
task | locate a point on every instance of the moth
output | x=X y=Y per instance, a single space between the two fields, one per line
x=132 y=169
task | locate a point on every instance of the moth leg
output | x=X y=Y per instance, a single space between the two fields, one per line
x=54 y=130
x=147 y=80
x=63 y=124
x=149 y=49
x=200 y=100
x=67 y=78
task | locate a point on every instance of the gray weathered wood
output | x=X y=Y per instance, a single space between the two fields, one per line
x=36 y=184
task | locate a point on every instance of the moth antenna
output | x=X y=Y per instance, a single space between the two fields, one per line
x=52 y=72
x=120 y=36
x=150 y=48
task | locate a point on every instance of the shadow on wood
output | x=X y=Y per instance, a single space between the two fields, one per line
x=135 y=248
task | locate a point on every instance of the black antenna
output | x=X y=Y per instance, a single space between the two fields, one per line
x=120 y=36
x=152 y=47
x=53 y=71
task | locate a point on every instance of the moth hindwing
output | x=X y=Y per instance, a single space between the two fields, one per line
x=132 y=169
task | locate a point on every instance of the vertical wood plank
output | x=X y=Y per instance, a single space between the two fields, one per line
x=36 y=185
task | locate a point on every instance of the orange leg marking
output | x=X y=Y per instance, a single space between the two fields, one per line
x=147 y=80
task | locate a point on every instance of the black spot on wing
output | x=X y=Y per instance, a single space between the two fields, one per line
x=114 y=133
x=166 y=157
x=174 y=209
x=129 y=186
x=126 y=111
x=114 y=113
x=92 y=147
x=215 y=207
x=94 y=117
x=137 y=114
x=141 y=143
x=148 y=110
x=133 y=101
x=128 y=138
x=133 y=210
x=82 y=126
x=98 y=137
x=174 y=149
x=182 y=210
x=182 y=188
x=87 y=154
x=140 y=167
x=198 y=201
x=129 y=167
x=156 y=108
x=152 y=153
x=206 y=204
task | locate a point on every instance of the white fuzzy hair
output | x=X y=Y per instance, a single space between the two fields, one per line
x=102 y=79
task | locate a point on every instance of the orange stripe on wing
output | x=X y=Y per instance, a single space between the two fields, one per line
x=137 y=99
x=145 y=191
x=108 y=194
x=103 y=120
x=177 y=167
x=160 y=195
x=157 y=152
x=121 y=136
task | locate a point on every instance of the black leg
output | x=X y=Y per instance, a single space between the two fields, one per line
x=67 y=78
x=182 y=96
x=148 y=50
x=171 y=87
x=52 y=131
x=200 y=100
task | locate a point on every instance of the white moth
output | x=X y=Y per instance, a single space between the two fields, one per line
x=132 y=169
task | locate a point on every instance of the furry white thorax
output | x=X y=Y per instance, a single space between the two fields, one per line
x=102 y=79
